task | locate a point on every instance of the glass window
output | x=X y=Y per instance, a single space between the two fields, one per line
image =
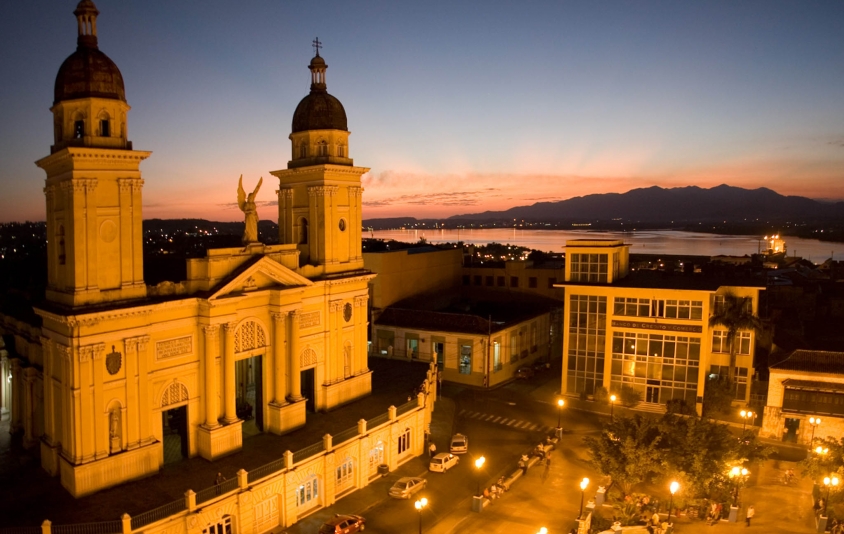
x=465 y=359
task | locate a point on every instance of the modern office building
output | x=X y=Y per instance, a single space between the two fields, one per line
x=648 y=330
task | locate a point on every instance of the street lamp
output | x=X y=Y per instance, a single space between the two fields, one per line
x=745 y=415
x=479 y=463
x=543 y=530
x=673 y=488
x=738 y=474
x=829 y=482
x=583 y=484
x=560 y=404
x=420 y=504
x=814 y=421
x=612 y=405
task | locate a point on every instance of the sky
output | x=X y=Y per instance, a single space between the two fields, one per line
x=456 y=107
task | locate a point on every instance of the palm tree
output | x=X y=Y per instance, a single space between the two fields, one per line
x=735 y=315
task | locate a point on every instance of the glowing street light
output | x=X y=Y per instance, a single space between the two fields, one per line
x=829 y=482
x=420 y=504
x=738 y=474
x=479 y=463
x=560 y=404
x=814 y=421
x=583 y=484
x=745 y=415
x=673 y=488
x=543 y=530
x=612 y=405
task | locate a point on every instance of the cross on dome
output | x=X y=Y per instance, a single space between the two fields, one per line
x=317 y=45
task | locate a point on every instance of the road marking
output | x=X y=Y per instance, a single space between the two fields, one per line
x=461 y=412
x=489 y=417
x=497 y=419
x=512 y=421
x=533 y=427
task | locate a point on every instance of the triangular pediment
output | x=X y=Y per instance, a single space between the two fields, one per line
x=263 y=274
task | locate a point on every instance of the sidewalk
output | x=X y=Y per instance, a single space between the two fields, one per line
x=362 y=500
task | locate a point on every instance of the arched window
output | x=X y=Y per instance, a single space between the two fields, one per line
x=78 y=128
x=303 y=231
x=341 y=151
x=307 y=493
x=60 y=235
x=303 y=150
x=322 y=148
x=345 y=475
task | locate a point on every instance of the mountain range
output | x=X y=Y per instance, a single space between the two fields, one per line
x=679 y=204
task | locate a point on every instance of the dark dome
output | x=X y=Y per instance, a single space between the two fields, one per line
x=88 y=73
x=319 y=111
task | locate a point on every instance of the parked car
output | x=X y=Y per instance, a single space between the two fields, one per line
x=459 y=444
x=443 y=462
x=524 y=372
x=541 y=365
x=343 y=524
x=407 y=486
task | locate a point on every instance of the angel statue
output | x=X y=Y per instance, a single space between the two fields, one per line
x=248 y=207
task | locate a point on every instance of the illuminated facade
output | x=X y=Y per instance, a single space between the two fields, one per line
x=650 y=333
x=255 y=337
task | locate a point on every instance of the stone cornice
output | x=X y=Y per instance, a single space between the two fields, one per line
x=94 y=157
x=333 y=169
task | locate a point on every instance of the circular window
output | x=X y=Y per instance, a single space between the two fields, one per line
x=347 y=312
x=342 y=225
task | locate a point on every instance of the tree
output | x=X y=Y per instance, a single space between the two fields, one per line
x=735 y=315
x=717 y=396
x=627 y=450
x=829 y=460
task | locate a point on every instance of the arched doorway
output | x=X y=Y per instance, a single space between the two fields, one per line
x=174 y=422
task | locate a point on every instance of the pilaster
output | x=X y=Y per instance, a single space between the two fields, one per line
x=101 y=417
x=229 y=373
x=279 y=359
x=211 y=335
x=295 y=359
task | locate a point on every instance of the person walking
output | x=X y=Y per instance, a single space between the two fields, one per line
x=218 y=482
x=432 y=450
x=547 y=469
x=750 y=513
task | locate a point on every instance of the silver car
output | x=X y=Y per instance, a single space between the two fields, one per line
x=459 y=444
x=407 y=486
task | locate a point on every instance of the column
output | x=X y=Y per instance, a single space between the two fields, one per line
x=101 y=419
x=334 y=362
x=144 y=405
x=228 y=372
x=47 y=381
x=285 y=217
x=131 y=420
x=211 y=332
x=295 y=359
x=84 y=412
x=124 y=186
x=361 y=329
x=91 y=231
x=137 y=232
x=279 y=359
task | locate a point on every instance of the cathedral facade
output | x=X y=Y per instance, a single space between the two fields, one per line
x=121 y=375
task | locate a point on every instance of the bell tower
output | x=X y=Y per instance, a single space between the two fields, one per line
x=319 y=196
x=93 y=186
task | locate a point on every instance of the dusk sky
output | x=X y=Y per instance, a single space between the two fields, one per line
x=457 y=107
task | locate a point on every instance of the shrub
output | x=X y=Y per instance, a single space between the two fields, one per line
x=629 y=396
x=679 y=406
x=601 y=395
x=584 y=396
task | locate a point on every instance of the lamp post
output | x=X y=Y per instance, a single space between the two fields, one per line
x=479 y=463
x=560 y=404
x=738 y=474
x=829 y=482
x=543 y=530
x=673 y=488
x=420 y=504
x=583 y=484
x=745 y=415
x=814 y=421
x=612 y=405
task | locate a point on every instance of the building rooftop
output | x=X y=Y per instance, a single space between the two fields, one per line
x=479 y=318
x=813 y=361
x=678 y=280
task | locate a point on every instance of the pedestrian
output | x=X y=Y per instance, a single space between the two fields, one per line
x=432 y=450
x=523 y=466
x=750 y=513
x=547 y=469
x=218 y=482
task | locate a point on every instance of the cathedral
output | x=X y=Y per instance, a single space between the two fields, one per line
x=121 y=376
